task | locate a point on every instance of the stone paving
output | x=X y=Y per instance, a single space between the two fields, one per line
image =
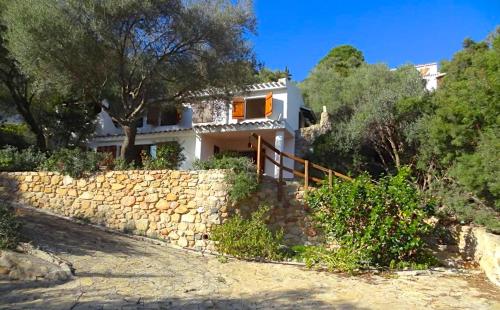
x=117 y=272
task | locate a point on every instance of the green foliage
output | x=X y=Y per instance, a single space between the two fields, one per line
x=168 y=51
x=17 y=135
x=460 y=141
x=324 y=83
x=243 y=177
x=54 y=119
x=121 y=164
x=376 y=222
x=248 y=238
x=168 y=156
x=344 y=259
x=9 y=228
x=12 y=159
x=73 y=162
x=375 y=111
x=342 y=59
x=266 y=75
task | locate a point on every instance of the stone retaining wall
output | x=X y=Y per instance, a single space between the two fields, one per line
x=180 y=207
x=475 y=243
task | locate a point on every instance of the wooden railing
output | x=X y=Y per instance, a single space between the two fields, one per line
x=308 y=166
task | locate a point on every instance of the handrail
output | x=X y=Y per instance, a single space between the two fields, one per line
x=307 y=165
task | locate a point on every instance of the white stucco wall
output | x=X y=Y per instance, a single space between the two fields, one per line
x=294 y=102
x=287 y=100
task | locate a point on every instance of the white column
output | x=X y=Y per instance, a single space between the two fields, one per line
x=279 y=143
x=197 y=147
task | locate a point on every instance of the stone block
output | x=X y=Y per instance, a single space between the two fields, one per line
x=87 y=196
x=142 y=225
x=117 y=186
x=151 y=198
x=127 y=201
x=181 y=210
x=162 y=204
x=171 y=197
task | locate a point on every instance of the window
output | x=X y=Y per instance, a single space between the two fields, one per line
x=255 y=108
x=139 y=123
x=169 y=116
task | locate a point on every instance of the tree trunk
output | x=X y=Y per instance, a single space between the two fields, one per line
x=23 y=107
x=128 y=146
x=41 y=141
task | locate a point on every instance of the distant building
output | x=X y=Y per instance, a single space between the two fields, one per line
x=430 y=74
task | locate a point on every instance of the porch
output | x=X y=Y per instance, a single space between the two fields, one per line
x=210 y=143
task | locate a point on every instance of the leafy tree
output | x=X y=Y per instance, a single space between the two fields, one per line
x=55 y=121
x=127 y=55
x=266 y=75
x=460 y=141
x=374 y=115
x=15 y=90
x=343 y=59
x=324 y=83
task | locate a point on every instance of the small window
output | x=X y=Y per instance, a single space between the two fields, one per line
x=255 y=108
x=139 y=123
x=169 y=116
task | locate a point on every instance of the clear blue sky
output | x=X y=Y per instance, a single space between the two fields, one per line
x=298 y=33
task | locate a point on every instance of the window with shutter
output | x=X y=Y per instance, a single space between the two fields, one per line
x=269 y=105
x=238 y=108
x=169 y=116
x=153 y=118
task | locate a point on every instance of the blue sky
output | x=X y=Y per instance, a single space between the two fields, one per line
x=297 y=33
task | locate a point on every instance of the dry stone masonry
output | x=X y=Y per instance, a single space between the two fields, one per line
x=180 y=207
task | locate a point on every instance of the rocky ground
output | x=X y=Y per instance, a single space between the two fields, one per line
x=118 y=272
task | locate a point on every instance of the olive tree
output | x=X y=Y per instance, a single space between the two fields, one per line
x=375 y=112
x=127 y=55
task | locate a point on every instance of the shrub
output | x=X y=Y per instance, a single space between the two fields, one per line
x=380 y=223
x=73 y=162
x=9 y=228
x=243 y=177
x=17 y=135
x=343 y=259
x=121 y=164
x=168 y=156
x=12 y=159
x=248 y=238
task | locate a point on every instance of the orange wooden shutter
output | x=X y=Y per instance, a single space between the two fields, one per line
x=153 y=116
x=269 y=105
x=238 y=108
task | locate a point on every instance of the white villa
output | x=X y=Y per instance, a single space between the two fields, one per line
x=273 y=110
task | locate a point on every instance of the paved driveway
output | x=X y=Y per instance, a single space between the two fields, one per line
x=117 y=272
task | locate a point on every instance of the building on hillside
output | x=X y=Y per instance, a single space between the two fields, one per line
x=273 y=110
x=431 y=75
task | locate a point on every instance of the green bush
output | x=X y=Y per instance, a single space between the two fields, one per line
x=9 y=228
x=343 y=259
x=121 y=164
x=243 y=177
x=379 y=223
x=12 y=159
x=168 y=156
x=73 y=162
x=248 y=238
x=17 y=135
